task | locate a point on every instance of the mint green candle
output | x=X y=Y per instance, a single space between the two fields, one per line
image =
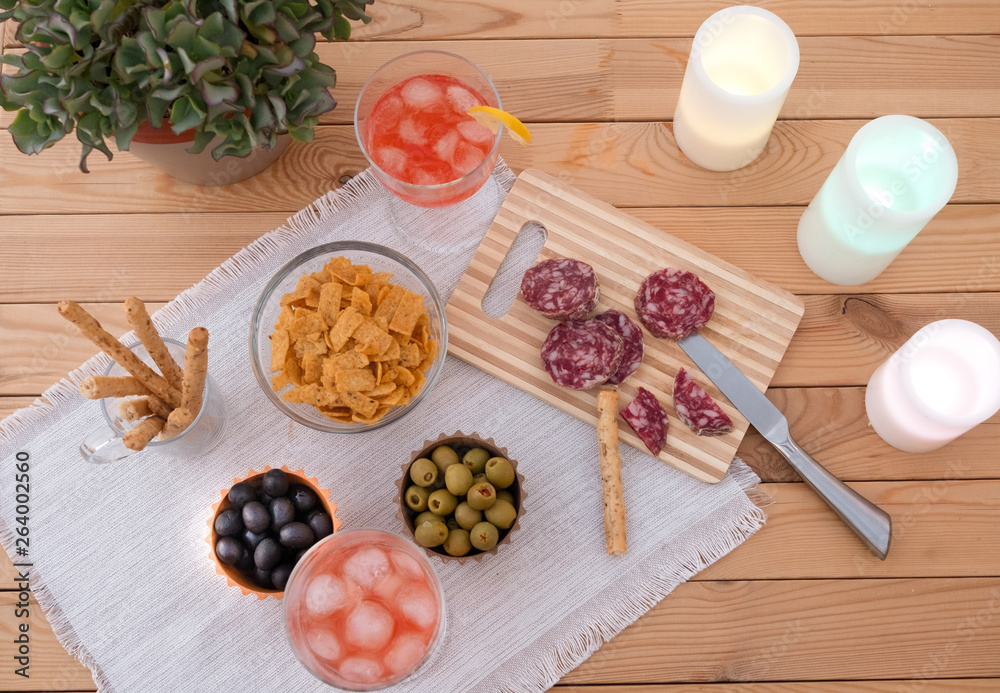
x=897 y=173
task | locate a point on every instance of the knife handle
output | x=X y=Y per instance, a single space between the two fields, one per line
x=872 y=524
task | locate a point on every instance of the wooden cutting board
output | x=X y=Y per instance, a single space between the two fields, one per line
x=752 y=325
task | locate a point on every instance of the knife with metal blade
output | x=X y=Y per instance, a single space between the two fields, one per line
x=872 y=524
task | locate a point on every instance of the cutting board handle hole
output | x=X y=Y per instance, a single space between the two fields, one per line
x=522 y=254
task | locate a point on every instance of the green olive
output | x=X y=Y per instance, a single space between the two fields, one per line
x=441 y=502
x=484 y=536
x=458 y=479
x=505 y=495
x=431 y=534
x=475 y=460
x=423 y=472
x=502 y=514
x=479 y=478
x=500 y=472
x=466 y=516
x=458 y=542
x=416 y=498
x=482 y=495
x=425 y=516
x=444 y=457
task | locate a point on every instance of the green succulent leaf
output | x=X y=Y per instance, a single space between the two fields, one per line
x=235 y=72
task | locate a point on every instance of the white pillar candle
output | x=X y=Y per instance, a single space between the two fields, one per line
x=742 y=63
x=941 y=383
x=897 y=173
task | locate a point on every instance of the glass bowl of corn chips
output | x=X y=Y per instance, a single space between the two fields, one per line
x=348 y=337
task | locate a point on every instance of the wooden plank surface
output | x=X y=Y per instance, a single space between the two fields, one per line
x=626 y=164
x=753 y=321
x=958 y=250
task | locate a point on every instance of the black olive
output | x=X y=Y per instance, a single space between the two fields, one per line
x=267 y=554
x=304 y=499
x=321 y=525
x=240 y=494
x=276 y=482
x=256 y=518
x=267 y=499
x=228 y=522
x=279 y=576
x=229 y=550
x=297 y=556
x=251 y=539
x=262 y=578
x=282 y=512
x=297 y=535
x=245 y=564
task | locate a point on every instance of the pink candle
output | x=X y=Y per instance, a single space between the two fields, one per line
x=941 y=383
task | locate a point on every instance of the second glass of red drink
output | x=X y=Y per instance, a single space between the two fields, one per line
x=412 y=124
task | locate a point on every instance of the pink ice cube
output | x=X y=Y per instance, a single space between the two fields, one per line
x=475 y=132
x=324 y=644
x=326 y=595
x=367 y=566
x=404 y=654
x=467 y=158
x=410 y=133
x=391 y=160
x=386 y=590
x=461 y=99
x=418 y=606
x=369 y=626
x=445 y=147
x=361 y=670
x=420 y=93
x=407 y=565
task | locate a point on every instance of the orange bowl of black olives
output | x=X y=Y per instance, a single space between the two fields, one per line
x=460 y=497
x=263 y=524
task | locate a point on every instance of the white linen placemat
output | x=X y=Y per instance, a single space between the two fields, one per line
x=119 y=557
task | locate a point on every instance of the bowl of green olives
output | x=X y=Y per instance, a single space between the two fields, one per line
x=263 y=524
x=460 y=497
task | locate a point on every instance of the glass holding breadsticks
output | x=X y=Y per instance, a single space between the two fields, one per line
x=148 y=400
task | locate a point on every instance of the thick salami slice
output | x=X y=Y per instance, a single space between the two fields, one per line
x=697 y=409
x=580 y=354
x=632 y=338
x=561 y=288
x=673 y=303
x=648 y=420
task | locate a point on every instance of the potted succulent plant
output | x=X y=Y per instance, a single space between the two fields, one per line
x=210 y=90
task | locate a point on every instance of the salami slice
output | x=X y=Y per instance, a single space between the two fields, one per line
x=580 y=354
x=648 y=420
x=697 y=409
x=561 y=288
x=632 y=338
x=673 y=303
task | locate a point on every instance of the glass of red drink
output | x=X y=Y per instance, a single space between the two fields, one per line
x=412 y=126
x=363 y=609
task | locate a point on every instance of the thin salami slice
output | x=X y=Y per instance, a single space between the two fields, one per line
x=632 y=338
x=648 y=420
x=697 y=409
x=673 y=303
x=561 y=288
x=580 y=354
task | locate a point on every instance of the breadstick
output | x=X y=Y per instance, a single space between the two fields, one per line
x=101 y=386
x=195 y=369
x=93 y=331
x=177 y=422
x=139 y=437
x=159 y=407
x=134 y=409
x=611 y=472
x=145 y=330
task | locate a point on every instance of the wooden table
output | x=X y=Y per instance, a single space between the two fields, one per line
x=597 y=81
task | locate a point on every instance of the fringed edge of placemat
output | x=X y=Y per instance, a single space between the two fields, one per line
x=18 y=429
x=692 y=556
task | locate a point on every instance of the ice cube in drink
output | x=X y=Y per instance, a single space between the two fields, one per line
x=363 y=610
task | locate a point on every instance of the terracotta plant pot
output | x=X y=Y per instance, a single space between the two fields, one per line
x=168 y=152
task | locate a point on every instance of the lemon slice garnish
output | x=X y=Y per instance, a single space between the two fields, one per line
x=492 y=118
